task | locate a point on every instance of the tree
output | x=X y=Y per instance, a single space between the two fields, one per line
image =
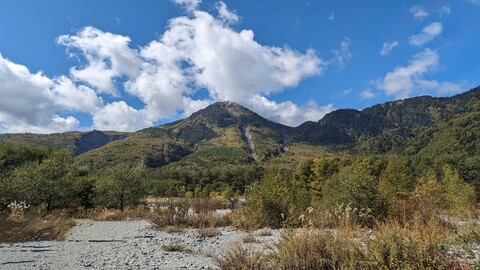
x=120 y=186
x=395 y=180
x=53 y=181
x=460 y=196
x=353 y=186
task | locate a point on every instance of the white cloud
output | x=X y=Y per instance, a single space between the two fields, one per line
x=445 y=10
x=342 y=55
x=442 y=88
x=450 y=88
x=196 y=53
x=32 y=102
x=347 y=91
x=428 y=33
x=189 y=5
x=287 y=112
x=367 y=94
x=70 y=97
x=107 y=55
x=190 y=106
x=201 y=52
x=403 y=79
x=331 y=17
x=388 y=46
x=476 y=2
x=418 y=12
x=226 y=15
x=119 y=116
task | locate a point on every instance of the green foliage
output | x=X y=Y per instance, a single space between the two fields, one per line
x=275 y=202
x=120 y=186
x=353 y=186
x=395 y=179
x=460 y=197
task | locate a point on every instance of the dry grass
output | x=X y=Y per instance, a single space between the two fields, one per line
x=207 y=220
x=314 y=249
x=239 y=258
x=208 y=232
x=249 y=238
x=104 y=214
x=265 y=232
x=415 y=245
x=172 y=229
x=178 y=215
x=52 y=226
x=205 y=205
x=175 y=247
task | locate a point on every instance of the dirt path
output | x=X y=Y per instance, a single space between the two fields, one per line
x=124 y=245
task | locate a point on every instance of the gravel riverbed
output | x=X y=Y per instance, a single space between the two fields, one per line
x=126 y=245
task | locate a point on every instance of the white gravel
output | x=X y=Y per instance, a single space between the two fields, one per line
x=125 y=245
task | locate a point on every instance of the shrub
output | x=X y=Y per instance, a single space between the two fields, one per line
x=208 y=232
x=175 y=247
x=353 y=186
x=249 y=238
x=414 y=245
x=313 y=249
x=274 y=202
x=53 y=226
x=204 y=205
x=239 y=258
x=172 y=215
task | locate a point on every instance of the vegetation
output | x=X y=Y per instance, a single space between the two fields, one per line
x=371 y=189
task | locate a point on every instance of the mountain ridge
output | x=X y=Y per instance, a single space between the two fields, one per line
x=235 y=134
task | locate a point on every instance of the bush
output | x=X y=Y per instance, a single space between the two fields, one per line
x=415 y=245
x=33 y=227
x=239 y=258
x=274 y=202
x=355 y=187
x=313 y=249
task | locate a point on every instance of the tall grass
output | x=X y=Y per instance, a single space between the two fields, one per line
x=177 y=214
x=35 y=227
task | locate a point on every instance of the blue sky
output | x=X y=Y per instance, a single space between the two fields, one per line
x=126 y=65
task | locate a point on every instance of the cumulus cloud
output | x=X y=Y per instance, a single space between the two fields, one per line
x=32 y=102
x=428 y=33
x=199 y=52
x=120 y=116
x=287 y=112
x=225 y=14
x=418 y=12
x=189 y=5
x=107 y=56
x=403 y=79
x=202 y=52
x=388 y=46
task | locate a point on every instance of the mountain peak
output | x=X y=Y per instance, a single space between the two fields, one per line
x=233 y=108
x=224 y=113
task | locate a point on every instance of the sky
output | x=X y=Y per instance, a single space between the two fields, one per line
x=126 y=65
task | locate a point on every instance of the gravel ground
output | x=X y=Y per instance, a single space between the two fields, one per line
x=125 y=245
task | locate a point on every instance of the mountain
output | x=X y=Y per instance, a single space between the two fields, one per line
x=74 y=142
x=226 y=133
